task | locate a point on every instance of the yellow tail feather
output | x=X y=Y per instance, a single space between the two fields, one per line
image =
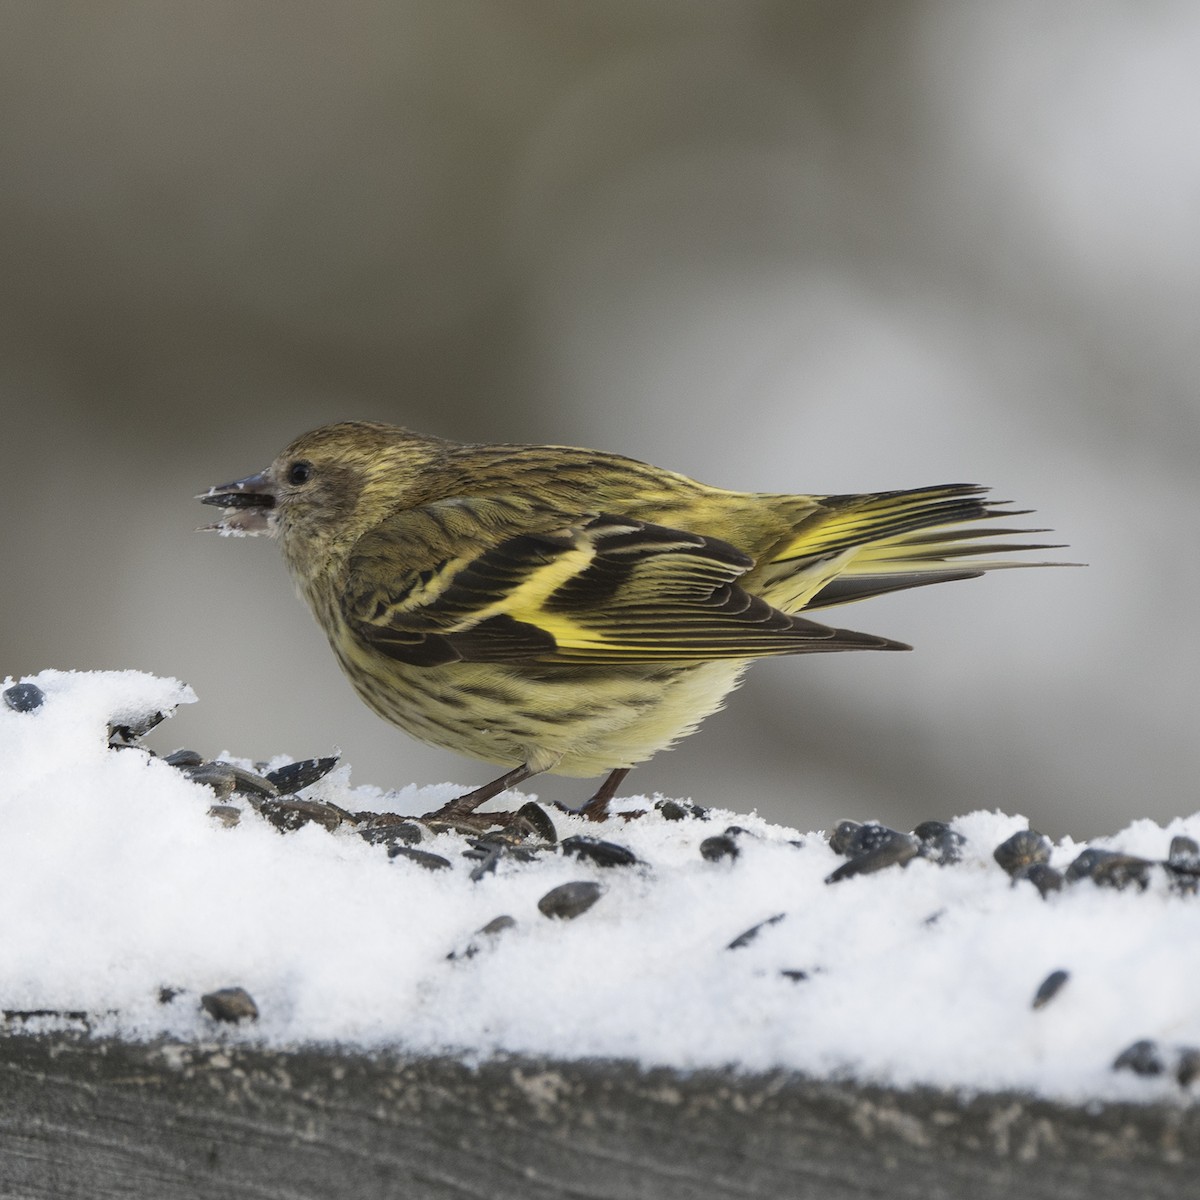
x=859 y=546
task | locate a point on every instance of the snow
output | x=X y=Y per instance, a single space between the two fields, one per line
x=115 y=882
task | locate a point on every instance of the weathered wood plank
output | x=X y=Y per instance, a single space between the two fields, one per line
x=100 y=1119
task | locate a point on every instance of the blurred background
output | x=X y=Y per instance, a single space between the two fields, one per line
x=775 y=244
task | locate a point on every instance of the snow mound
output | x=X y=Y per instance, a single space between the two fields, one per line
x=127 y=900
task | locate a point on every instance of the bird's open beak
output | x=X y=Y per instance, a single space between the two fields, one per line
x=248 y=503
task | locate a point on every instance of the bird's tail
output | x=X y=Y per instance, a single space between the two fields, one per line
x=858 y=546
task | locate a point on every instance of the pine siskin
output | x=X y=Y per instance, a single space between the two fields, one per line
x=549 y=608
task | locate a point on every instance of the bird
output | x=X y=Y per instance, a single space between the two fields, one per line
x=573 y=611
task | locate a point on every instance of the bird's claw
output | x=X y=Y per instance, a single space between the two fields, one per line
x=451 y=820
x=593 y=811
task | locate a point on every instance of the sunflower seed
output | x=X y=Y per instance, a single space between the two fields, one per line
x=603 y=854
x=896 y=851
x=24 y=697
x=230 y=1004
x=570 y=900
x=744 y=939
x=423 y=858
x=1023 y=849
x=1049 y=988
x=294 y=776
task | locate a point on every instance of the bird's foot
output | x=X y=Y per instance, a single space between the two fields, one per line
x=459 y=814
x=596 y=809
x=530 y=820
x=450 y=819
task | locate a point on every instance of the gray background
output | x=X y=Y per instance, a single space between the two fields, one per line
x=777 y=245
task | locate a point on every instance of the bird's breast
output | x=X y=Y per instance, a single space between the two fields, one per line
x=580 y=721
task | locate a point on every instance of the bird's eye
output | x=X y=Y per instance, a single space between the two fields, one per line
x=299 y=472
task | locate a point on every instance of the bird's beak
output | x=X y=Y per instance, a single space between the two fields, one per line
x=249 y=506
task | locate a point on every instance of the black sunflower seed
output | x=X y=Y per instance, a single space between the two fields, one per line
x=1043 y=877
x=1184 y=854
x=1049 y=988
x=1183 y=865
x=1110 y=868
x=230 y=1004
x=291 y=777
x=135 y=727
x=895 y=852
x=495 y=927
x=745 y=938
x=183 y=758
x=390 y=832
x=24 y=697
x=1023 y=849
x=939 y=843
x=851 y=839
x=224 y=778
x=603 y=854
x=1187 y=1068
x=423 y=858
x=1142 y=1058
x=533 y=819
x=716 y=848
x=569 y=900
x=289 y=815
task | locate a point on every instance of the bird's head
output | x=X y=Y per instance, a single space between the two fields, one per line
x=328 y=488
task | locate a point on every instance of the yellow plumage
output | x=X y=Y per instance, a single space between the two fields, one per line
x=548 y=608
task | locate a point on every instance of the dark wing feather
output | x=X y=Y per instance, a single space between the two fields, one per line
x=607 y=589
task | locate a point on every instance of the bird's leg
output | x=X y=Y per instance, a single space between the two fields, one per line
x=596 y=809
x=461 y=809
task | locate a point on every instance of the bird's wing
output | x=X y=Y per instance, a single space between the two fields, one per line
x=605 y=589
